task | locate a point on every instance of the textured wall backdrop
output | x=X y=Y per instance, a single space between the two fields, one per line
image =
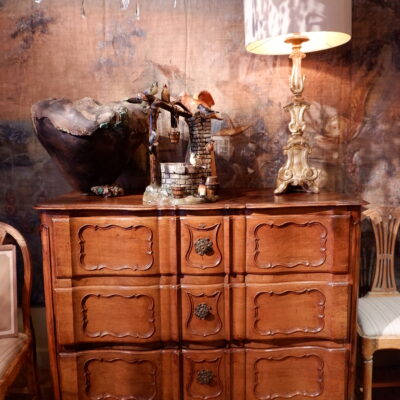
x=50 y=49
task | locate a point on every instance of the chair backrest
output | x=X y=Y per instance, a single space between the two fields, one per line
x=8 y=230
x=385 y=222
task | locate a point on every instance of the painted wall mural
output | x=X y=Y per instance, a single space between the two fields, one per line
x=112 y=49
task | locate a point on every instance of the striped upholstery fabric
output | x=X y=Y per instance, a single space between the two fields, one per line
x=9 y=348
x=379 y=316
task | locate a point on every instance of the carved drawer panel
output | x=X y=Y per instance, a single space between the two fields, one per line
x=202 y=245
x=205 y=375
x=296 y=310
x=114 y=314
x=299 y=373
x=298 y=243
x=119 y=375
x=106 y=246
x=203 y=313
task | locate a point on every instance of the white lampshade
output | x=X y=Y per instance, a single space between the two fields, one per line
x=326 y=23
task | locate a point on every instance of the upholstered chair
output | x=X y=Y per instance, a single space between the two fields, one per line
x=19 y=350
x=379 y=311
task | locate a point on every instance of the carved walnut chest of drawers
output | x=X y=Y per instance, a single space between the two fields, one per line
x=249 y=298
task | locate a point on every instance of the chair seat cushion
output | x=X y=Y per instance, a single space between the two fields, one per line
x=379 y=316
x=9 y=348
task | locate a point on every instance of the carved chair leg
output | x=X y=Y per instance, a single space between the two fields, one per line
x=32 y=368
x=367 y=378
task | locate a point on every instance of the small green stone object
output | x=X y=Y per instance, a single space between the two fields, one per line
x=104 y=125
x=108 y=190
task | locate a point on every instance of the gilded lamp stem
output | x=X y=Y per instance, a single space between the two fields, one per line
x=296 y=79
x=296 y=171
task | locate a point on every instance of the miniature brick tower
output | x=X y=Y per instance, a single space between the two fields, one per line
x=200 y=136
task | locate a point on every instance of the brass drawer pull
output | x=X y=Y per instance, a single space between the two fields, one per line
x=203 y=246
x=205 y=377
x=202 y=311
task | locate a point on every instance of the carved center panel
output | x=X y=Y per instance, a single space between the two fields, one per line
x=203 y=318
x=202 y=249
x=115 y=247
x=105 y=315
x=204 y=379
x=120 y=379
x=289 y=312
x=290 y=245
x=289 y=376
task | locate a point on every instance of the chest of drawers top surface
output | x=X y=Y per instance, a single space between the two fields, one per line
x=240 y=199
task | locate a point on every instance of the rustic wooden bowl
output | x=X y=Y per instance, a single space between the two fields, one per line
x=90 y=143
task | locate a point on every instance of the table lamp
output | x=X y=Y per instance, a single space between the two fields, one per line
x=296 y=27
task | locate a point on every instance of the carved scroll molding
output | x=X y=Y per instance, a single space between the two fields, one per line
x=268 y=229
x=208 y=260
x=112 y=362
x=215 y=387
x=147 y=250
x=107 y=332
x=287 y=364
x=212 y=324
x=259 y=313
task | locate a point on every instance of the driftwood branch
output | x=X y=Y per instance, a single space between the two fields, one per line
x=171 y=108
x=176 y=107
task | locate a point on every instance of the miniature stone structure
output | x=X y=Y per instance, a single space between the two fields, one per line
x=200 y=136
x=192 y=182
x=181 y=175
x=189 y=176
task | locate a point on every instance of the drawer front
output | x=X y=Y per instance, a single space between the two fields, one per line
x=299 y=373
x=205 y=375
x=298 y=243
x=202 y=245
x=102 y=374
x=203 y=313
x=95 y=246
x=114 y=314
x=296 y=310
x=123 y=246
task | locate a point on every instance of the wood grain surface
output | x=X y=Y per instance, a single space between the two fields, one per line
x=193 y=299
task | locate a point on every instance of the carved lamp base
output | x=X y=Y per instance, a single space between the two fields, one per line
x=296 y=172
